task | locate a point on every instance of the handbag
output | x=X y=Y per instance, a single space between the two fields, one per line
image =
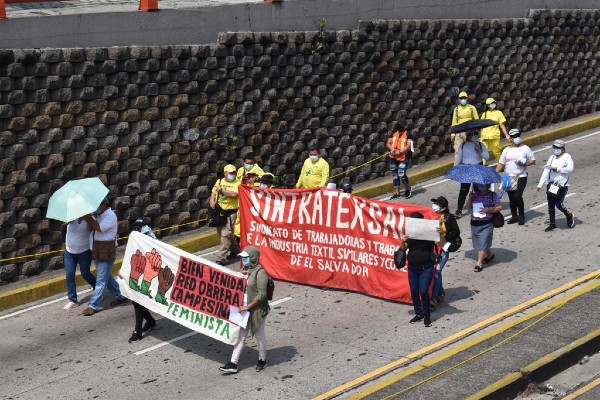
x=104 y=250
x=400 y=258
x=436 y=258
x=455 y=245
x=216 y=216
x=514 y=180
x=497 y=220
x=553 y=189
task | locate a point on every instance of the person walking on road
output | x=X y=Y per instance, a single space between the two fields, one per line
x=420 y=273
x=450 y=240
x=315 y=171
x=463 y=112
x=250 y=171
x=104 y=229
x=556 y=178
x=470 y=152
x=77 y=251
x=483 y=203
x=258 y=306
x=490 y=136
x=399 y=145
x=225 y=194
x=514 y=160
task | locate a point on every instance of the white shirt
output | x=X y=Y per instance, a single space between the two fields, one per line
x=510 y=156
x=468 y=155
x=564 y=166
x=108 y=226
x=78 y=237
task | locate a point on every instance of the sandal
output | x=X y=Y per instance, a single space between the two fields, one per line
x=488 y=260
x=478 y=268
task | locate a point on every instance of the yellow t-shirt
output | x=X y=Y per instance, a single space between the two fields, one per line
x=462 y=114
x=313 y=174
x=226 y=203
x=254 y=170
x=492 y=132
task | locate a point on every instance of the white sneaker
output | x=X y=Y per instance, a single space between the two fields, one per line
x=70 y=305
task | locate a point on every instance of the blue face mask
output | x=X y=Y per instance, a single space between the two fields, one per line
x=264 y=185
x=475 y=138
x=314 y=158
x=517 y=140
x=463 y=102
x=493 y=106
x=557 y=152
x=481 y=188
x=245 y=261
x=248 y=166
x=231 y=177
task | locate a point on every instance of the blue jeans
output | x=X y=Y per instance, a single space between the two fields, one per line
x=419 y=278
x=85 y=261
x=437 y=285
x=398 y=169
x=104 y=279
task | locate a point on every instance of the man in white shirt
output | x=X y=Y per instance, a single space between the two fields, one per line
x=77 y=251
x=104 y=228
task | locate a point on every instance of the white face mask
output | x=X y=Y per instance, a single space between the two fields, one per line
x=517 y=140
x=231 y=177
x=557 y=152
x=436 y=208
x=248 y=166
x=493 y=106
x=314 y=158
x=264 y=185
x=463 y=102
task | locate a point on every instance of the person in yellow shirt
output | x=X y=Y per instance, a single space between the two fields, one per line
x=490 y=136
x=225 y=194
x=265 y=181
x=463 y=112
x=315 y=171
x=249 y=171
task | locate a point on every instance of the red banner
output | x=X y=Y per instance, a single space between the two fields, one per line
x=328 y=238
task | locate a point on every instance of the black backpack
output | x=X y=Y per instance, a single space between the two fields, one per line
x=270 y=286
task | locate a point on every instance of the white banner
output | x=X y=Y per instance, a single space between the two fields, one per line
x=190 y=290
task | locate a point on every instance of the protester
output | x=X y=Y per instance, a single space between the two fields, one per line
x=483 y=204
x=449 y=236
x=315 y=171
x=77 y=251
x=250 y=172
x=258 y=306
x=470 y=152
x=556 y=178
x=514 y=160
x=463 y=112
x=399 y=145
x=420 y=273
x=140 y=225
x=141 y=312
x=225 y=194
x=104 y=229
x=346 y=187
x=490 y=136
x=265 y=181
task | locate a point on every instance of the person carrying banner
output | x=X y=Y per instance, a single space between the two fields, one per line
x=225 y=194
x=315 y=171
x=399 y=145
x=140 y=225
x=265 y=181
x=250 y=171
x=258 y=306
x=420 y=273
x=77 y=251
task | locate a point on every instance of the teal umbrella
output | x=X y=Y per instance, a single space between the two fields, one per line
x=76 y=199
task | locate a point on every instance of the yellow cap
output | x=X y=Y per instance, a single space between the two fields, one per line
x=229 y=168
x=463 y=94
x=489 y=100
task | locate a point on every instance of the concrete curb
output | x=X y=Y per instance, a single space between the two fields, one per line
x=542 y=369
x=57 y=285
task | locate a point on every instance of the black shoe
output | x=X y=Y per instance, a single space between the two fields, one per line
x=550 y=227
x=229 y=367
x=512 y=220
x=232 y=256
x=416 y=318
x=135 y=336
x=408 y=192
x=394 y=196
x=149 y=325
x=458 y=214
x=521 y=220
x=118 y=301
x=570 y=220
x=220 y=263
x=427 y=321
x=261 y=365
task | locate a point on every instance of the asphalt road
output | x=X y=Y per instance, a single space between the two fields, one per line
x=318 y=338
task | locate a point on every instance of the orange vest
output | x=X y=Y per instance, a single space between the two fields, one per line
x=399 y=141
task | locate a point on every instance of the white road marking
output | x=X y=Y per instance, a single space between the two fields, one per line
x=540 y=205
x=47 y=303
x=187 y=335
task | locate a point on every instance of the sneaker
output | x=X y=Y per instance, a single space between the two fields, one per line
x=427 y=321
x=512 y=220
x=458 y=214
x=416 y=318
x=432 y=305
x=149 y=325
x=261 y=365
x=118 y=301
x=230 y=367
x=570 y=220
x=89 y=311
x=408 y=192
x=394 y=196
x=70 y=305
x=219 y=262
x=135 y=336
x=550 y=227
x=521 y=220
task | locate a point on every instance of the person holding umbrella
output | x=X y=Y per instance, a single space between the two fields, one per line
x=484 y=204
x=77 y=251
x=472 y=152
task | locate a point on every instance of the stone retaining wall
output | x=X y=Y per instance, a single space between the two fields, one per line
x=157 y=124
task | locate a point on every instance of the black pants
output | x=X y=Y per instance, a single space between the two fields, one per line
x=462 y=195
x=515 y=197
x=141 y=314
